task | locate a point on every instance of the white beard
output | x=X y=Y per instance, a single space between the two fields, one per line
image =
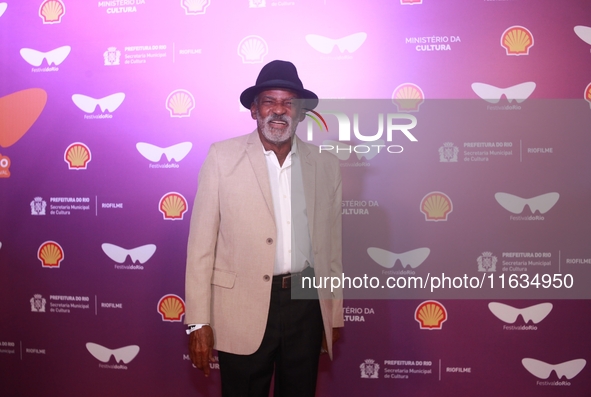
x=276 y=135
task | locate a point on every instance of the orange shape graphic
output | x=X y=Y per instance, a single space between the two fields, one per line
x=171 y=307
x=430 y=315
x=50 y=254
x=588 y=94
x=18 y=112
x=173 y=206
x=517 y=40
x=436 y=206
x=51 y=11
x=408 y=97
x=77 y=155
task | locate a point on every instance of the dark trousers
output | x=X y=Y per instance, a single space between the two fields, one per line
x=290 y=347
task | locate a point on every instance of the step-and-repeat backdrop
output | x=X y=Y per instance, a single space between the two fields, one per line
x=462 y=129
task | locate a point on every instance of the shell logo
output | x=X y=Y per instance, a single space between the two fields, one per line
x=588 y=94
x=4 y=166
x=252 y=49
x=180 y=103
x=194 y=7
x=408 y=97
x=50 y=254
x=517 y=40
x=52 y=11
x=436 y=206
x=173 y=206
x=430 y=315
x=171 y=307
x=411 y=2
x=77 y=155
x=18 y=112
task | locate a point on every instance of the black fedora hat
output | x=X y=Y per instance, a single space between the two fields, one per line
x=278 y=74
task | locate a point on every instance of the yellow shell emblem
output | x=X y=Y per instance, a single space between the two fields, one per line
x=52 y=11
x=252 y=49
x=77 y=156
x=517 y=40
x=50 y=254
x=173 y=205
x=171 y=307
x=588 y=94
x=180 y=103
x=408 y=97
x=436 y=206
x=430 y=315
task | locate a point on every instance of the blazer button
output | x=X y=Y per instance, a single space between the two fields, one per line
x=266 y=277
x=269 y=241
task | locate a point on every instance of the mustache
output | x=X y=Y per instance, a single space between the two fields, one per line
x=278 y=117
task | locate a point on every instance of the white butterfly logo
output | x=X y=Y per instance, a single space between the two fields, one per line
x=154 y=153
x=88 y=104
x=55 y=56
x=492 y=94
x=103 y=354
x=584 y=33
x=542 y=370
x=509 y=314
x=413 y=258
x=119 y=255
x=3 y=7
x=325 y=45
x=516 y=204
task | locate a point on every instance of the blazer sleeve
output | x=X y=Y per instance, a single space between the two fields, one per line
x=201 y=247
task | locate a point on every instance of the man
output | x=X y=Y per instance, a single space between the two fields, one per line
x=267 y=213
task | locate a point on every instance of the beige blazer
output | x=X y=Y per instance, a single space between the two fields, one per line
x=231 y=248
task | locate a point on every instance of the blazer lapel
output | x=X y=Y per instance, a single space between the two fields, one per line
x=309 y=179
x=254 y=150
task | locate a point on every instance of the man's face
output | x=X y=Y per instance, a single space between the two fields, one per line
x=277 y=114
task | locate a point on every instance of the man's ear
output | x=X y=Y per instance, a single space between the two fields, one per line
x=253 y=111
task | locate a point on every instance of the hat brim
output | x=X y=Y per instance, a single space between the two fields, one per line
x=247 y=96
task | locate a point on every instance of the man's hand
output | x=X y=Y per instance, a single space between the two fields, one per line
x=201 y=348
x=336 y=335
